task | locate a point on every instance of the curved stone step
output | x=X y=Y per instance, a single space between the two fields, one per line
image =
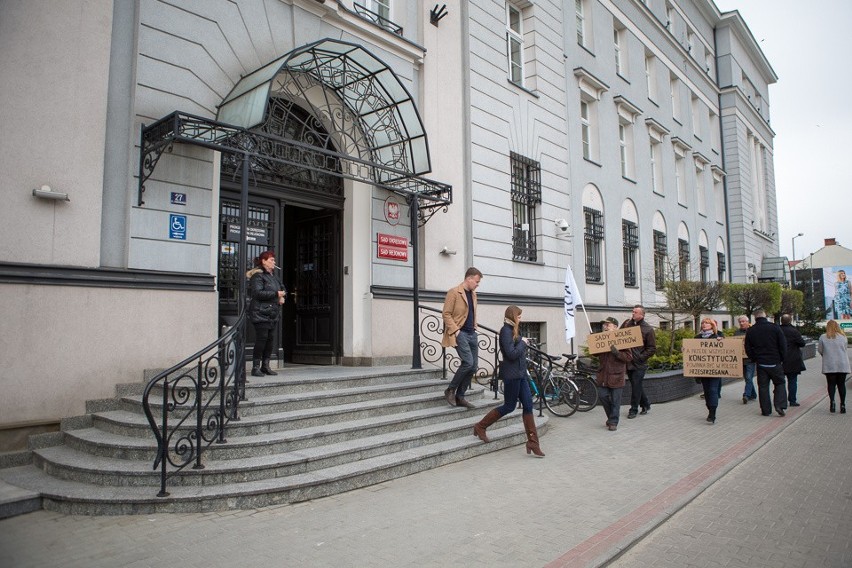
x=260 y=416
x=74 y=497
x=66 y=462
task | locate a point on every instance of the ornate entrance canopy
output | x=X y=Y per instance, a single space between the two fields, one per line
x=358 y=99
x=370 y=95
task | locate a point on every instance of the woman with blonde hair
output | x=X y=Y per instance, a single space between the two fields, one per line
x=835 y=362
x=513 y=373
x=712 y=385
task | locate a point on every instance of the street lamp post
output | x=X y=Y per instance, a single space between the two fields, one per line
x=793 y=272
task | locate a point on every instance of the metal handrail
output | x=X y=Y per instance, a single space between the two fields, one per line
x=199 y=396
x=432 y=331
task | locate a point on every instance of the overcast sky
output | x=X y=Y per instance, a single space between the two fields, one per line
x=809 y=45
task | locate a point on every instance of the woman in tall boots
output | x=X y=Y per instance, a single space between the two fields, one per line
x=513 y=373
x=267 y=294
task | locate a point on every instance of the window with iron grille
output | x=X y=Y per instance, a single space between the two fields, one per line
x=720 y=259
x=526 y=194
x=704 y=263
x=683 y=259
x=531 y=329
x=593 y=237
x=661 y=254
x=630 y=247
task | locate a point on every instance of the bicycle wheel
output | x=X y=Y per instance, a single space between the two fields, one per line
x=560 y=397
x=588 y=393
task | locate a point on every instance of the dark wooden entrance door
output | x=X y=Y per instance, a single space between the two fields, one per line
x=316 y=287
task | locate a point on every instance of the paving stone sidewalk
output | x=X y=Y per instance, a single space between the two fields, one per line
x=592 y=497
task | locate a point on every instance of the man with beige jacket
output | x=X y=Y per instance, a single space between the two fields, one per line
x=460 y=332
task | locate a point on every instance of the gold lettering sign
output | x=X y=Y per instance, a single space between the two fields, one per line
x=621 y=338
x=713 y=358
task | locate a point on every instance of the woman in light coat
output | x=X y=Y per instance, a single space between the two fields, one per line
x=835 y=362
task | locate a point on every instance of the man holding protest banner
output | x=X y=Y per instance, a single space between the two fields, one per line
x=610 y=377
x=637 y=367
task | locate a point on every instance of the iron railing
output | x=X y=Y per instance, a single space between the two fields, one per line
x=431 y=333
x=198 y=397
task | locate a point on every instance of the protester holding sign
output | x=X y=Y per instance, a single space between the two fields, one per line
x=637 y=367
x=712 y=385
x=610 y=377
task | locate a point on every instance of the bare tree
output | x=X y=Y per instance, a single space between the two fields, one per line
x=693 y=298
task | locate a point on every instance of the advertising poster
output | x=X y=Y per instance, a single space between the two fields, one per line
x=838 y=293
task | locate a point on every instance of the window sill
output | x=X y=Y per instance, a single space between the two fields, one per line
x=677 y=120
x=591 y=161
x=660 y=193
x=524 y=89
x=633 y=181
x=653 y=102
x=596 y=282
x=623 y=78
x=586 y=49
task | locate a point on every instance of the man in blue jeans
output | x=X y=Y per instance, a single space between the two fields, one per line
x=748 y=365
x=766 y=345
x=459 y=316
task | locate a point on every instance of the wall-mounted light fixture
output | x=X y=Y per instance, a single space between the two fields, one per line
x=447 y=252
x=435 y=14
x=562 y=225
x=45 y=192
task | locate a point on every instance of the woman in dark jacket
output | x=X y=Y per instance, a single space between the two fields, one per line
x=793 y=361
x=267 y=294
x=712 y=385
x=513 y=373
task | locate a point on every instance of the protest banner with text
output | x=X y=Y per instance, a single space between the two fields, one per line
x=621 y=338
x=713 y=358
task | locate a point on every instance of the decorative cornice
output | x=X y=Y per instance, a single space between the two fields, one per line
x=52 y=275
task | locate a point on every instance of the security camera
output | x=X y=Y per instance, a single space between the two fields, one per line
x=561 y=224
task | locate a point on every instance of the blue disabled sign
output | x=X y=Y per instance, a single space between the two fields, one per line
x=177 y=227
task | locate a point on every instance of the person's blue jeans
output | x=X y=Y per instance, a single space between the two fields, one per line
x=773 y=374
x=611 y=401
x=748 y=376
x=467 y=347
x=637 y=393
x=792 y=386
x=514 y=389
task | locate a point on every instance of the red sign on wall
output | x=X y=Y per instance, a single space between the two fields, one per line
x=391 y=247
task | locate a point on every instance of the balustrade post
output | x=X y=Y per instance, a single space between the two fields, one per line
x=223 y=375
x=163 y=450
x=199 y=394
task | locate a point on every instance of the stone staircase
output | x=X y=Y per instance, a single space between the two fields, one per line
x=307 y=433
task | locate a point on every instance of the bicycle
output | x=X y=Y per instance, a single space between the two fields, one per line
x=559 y=395
x=573 y=372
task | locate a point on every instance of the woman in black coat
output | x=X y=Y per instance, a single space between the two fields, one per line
x=712 y=385
x=516 y=385
x=793 y=361
x=267 y=294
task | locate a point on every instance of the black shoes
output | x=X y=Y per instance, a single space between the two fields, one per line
x=780 y=411
x=632 y=413
x=711 y=419
x=842 y=409
x=256 y=372
x=795 y=404
x=831 y=408
x=645 y=410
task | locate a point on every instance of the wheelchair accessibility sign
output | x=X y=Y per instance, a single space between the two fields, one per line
x=177 y=227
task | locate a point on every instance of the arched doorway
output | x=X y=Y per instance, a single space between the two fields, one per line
x=296 y=213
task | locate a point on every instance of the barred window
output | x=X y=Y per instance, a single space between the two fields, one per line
x=661 y=254
x=704 y=263
x=526 y=194
x=593 y=237
x=683 y=259
x=531 y=329
x=630 y=246
x=722 y=262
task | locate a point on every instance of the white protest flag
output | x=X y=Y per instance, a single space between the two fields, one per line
x=572 y=300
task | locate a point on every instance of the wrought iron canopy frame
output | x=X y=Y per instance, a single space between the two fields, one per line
x=269 y=155
x=391 y=132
